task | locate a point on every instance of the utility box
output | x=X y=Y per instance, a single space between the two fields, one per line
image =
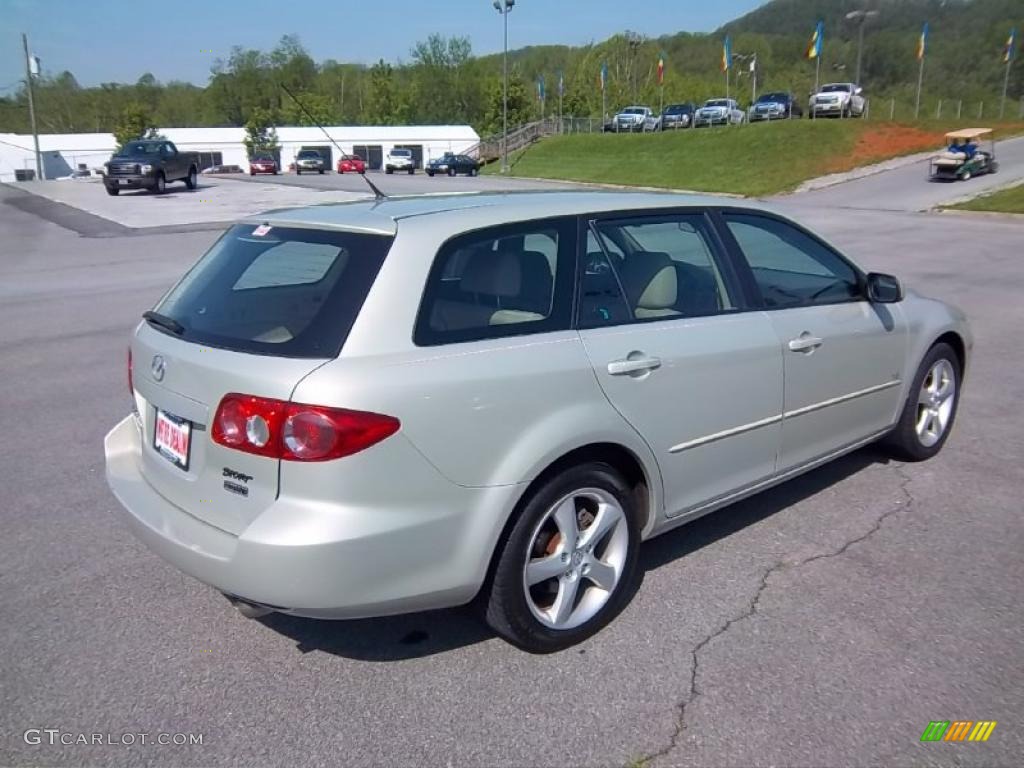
x=24 y=174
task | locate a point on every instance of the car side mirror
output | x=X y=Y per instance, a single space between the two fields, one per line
x=884 y=289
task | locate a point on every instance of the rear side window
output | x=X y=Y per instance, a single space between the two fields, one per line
x=281 y=291
x=501 y=281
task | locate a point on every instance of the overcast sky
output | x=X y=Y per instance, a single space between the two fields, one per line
x=119 y=40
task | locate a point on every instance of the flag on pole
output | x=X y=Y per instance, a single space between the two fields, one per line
x=922 y=42
x=1011 y=44
x=661 y=68
x=817 y=38
x=540 y=88
x=726 y=54
x=604 y=75
x=561 y=83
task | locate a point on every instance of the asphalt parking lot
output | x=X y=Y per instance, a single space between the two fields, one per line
x=417 y=183
x=825 y=622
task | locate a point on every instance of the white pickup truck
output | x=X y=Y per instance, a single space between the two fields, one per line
x=838 y=100
x=631 y=119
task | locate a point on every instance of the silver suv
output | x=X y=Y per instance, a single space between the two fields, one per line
x=370 y=408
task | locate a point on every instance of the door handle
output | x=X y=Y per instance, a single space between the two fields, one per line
x=633 y=365
x=805 y=343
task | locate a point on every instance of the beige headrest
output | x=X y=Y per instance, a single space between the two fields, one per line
x=492 y=273
x=649 y=279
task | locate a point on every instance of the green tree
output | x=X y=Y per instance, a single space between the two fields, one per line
x=520 y=104
x=134 y=122
x=260 y=133
x=316 y=104
x=382 y=107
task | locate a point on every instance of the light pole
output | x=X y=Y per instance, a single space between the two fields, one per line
x=861 y=17
x=32 y=70
x=504 y=7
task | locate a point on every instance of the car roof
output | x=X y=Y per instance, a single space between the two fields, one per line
x=473 y=210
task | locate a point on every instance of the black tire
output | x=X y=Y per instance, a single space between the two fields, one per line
x=451 y=171
x=993 y=167
x=430 y=174
x=298 y=172
x=473 y=171
x=190 y=180
x=411 y=171
x=505 y=605
x=389 y=170
x=161 y=184
x=904 y=441
x=321 y=171
x=112 y=191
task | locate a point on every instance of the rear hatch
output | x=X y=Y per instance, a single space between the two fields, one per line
x=262 y=309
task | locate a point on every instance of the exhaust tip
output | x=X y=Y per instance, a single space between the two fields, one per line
x=248 y=609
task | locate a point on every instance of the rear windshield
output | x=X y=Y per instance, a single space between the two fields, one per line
x=133 y=148
x=716 y=103
x=768 y=98
x=281 y=291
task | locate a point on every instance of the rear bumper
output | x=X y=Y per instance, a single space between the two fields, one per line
x=325 y=560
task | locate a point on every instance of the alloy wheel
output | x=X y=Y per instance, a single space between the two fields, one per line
x=576 y=558
x=935 y=403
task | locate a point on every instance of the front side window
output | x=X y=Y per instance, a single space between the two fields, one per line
x=650 y=268
x=790 y=267
x=502 y=281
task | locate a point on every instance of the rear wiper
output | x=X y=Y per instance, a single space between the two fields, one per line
x=163 y=321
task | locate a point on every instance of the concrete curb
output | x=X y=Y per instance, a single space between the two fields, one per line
x=1016 y=218
x=859 y=173
x=977 y=195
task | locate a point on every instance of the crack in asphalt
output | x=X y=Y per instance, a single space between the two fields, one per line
x=751 y=608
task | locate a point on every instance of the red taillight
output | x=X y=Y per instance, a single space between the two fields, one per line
x=294 y=431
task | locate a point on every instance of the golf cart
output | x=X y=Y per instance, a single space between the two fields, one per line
x=964 y=156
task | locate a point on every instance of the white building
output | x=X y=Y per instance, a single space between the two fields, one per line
x=63 y=153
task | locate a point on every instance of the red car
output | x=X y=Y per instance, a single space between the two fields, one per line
x=351 y=164
x=262 y=164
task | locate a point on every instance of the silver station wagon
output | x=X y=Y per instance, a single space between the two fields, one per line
x=379 y=407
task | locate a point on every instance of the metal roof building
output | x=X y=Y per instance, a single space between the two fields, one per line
x=65 y=152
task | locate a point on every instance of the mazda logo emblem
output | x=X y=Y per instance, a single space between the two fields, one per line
x=158 y=367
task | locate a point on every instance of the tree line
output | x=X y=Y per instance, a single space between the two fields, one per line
x=444 y=83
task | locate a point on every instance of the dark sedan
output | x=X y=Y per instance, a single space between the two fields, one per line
x=675 y=116
x=774 y=106
x=453 y=165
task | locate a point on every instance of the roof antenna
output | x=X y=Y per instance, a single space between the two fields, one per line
x=376 y=192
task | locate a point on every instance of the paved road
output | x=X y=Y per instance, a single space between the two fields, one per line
x=401 y=183
x=908 y=188
x=822 y=623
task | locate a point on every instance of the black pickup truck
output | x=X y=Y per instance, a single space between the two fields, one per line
x=149 y=164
